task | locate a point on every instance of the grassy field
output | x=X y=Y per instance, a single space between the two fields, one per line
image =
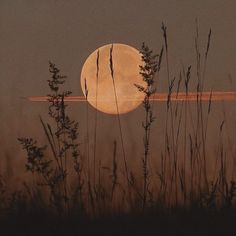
x=186 y=193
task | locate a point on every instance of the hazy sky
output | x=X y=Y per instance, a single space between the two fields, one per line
x=67 y=31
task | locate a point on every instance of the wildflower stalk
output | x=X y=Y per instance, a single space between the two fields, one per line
x=61 y=141
x=148 y=71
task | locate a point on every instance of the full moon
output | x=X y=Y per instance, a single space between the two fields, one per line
x=118 y=93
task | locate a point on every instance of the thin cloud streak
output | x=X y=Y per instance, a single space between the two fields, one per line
x=159 y=97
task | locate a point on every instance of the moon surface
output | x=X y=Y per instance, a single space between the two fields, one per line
x=102 y=92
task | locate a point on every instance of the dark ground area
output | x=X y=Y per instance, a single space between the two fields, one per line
x=178 y=222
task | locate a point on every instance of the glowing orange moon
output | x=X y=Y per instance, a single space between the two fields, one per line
x=101 y=94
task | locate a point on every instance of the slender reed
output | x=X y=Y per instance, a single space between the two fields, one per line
x=118 y=117
x=95 y=124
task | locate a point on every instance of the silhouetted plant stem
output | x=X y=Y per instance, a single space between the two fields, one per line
x=114 y=171
x=200 y=122
x=169 y=106
x=95 y=124
x=118 y=118
x=148 y=71
x=90 y=193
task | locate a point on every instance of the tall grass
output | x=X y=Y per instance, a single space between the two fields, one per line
x=184 y=174
x=119 y=121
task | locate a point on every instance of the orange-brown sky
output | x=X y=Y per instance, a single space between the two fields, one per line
x=67 y=31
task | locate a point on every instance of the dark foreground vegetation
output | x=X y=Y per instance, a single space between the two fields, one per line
x=183 y=195
x=194 y=222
